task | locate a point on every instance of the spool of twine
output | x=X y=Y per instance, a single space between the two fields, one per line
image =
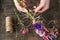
x=9 y=24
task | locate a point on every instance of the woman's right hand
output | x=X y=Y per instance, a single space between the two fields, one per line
x=43 y=6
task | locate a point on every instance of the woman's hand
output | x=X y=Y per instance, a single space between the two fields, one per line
x=43 y=6
x=19 y=8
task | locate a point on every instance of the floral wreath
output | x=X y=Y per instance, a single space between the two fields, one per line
x=38 y=25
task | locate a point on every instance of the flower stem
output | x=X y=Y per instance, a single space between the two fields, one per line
x=20 y=21
x=31 y=16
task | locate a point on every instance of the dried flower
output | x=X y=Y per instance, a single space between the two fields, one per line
x=46 y=38
x=37 y=26
x=25 y=31
x=52 y=36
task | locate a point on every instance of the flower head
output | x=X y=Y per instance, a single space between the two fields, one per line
x=37 y=26
x=25 y=31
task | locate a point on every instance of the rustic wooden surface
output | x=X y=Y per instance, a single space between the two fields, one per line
x=6 y=10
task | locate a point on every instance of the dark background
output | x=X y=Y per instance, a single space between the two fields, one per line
x=6 y=10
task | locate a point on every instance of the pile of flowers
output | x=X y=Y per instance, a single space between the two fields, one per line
x=38 y=25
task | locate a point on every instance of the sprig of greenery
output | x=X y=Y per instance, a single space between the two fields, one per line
x=20 y=21
x=29 y=14
x=18 y=17
x=20 y=2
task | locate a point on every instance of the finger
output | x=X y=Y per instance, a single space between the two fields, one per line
x=34 y=7
x=24 y=3
x=42 y=3
x=43 y=10
x=45 y=7
x=40 y=10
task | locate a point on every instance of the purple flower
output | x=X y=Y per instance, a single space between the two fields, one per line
x=52 y=36
x=37 y=26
